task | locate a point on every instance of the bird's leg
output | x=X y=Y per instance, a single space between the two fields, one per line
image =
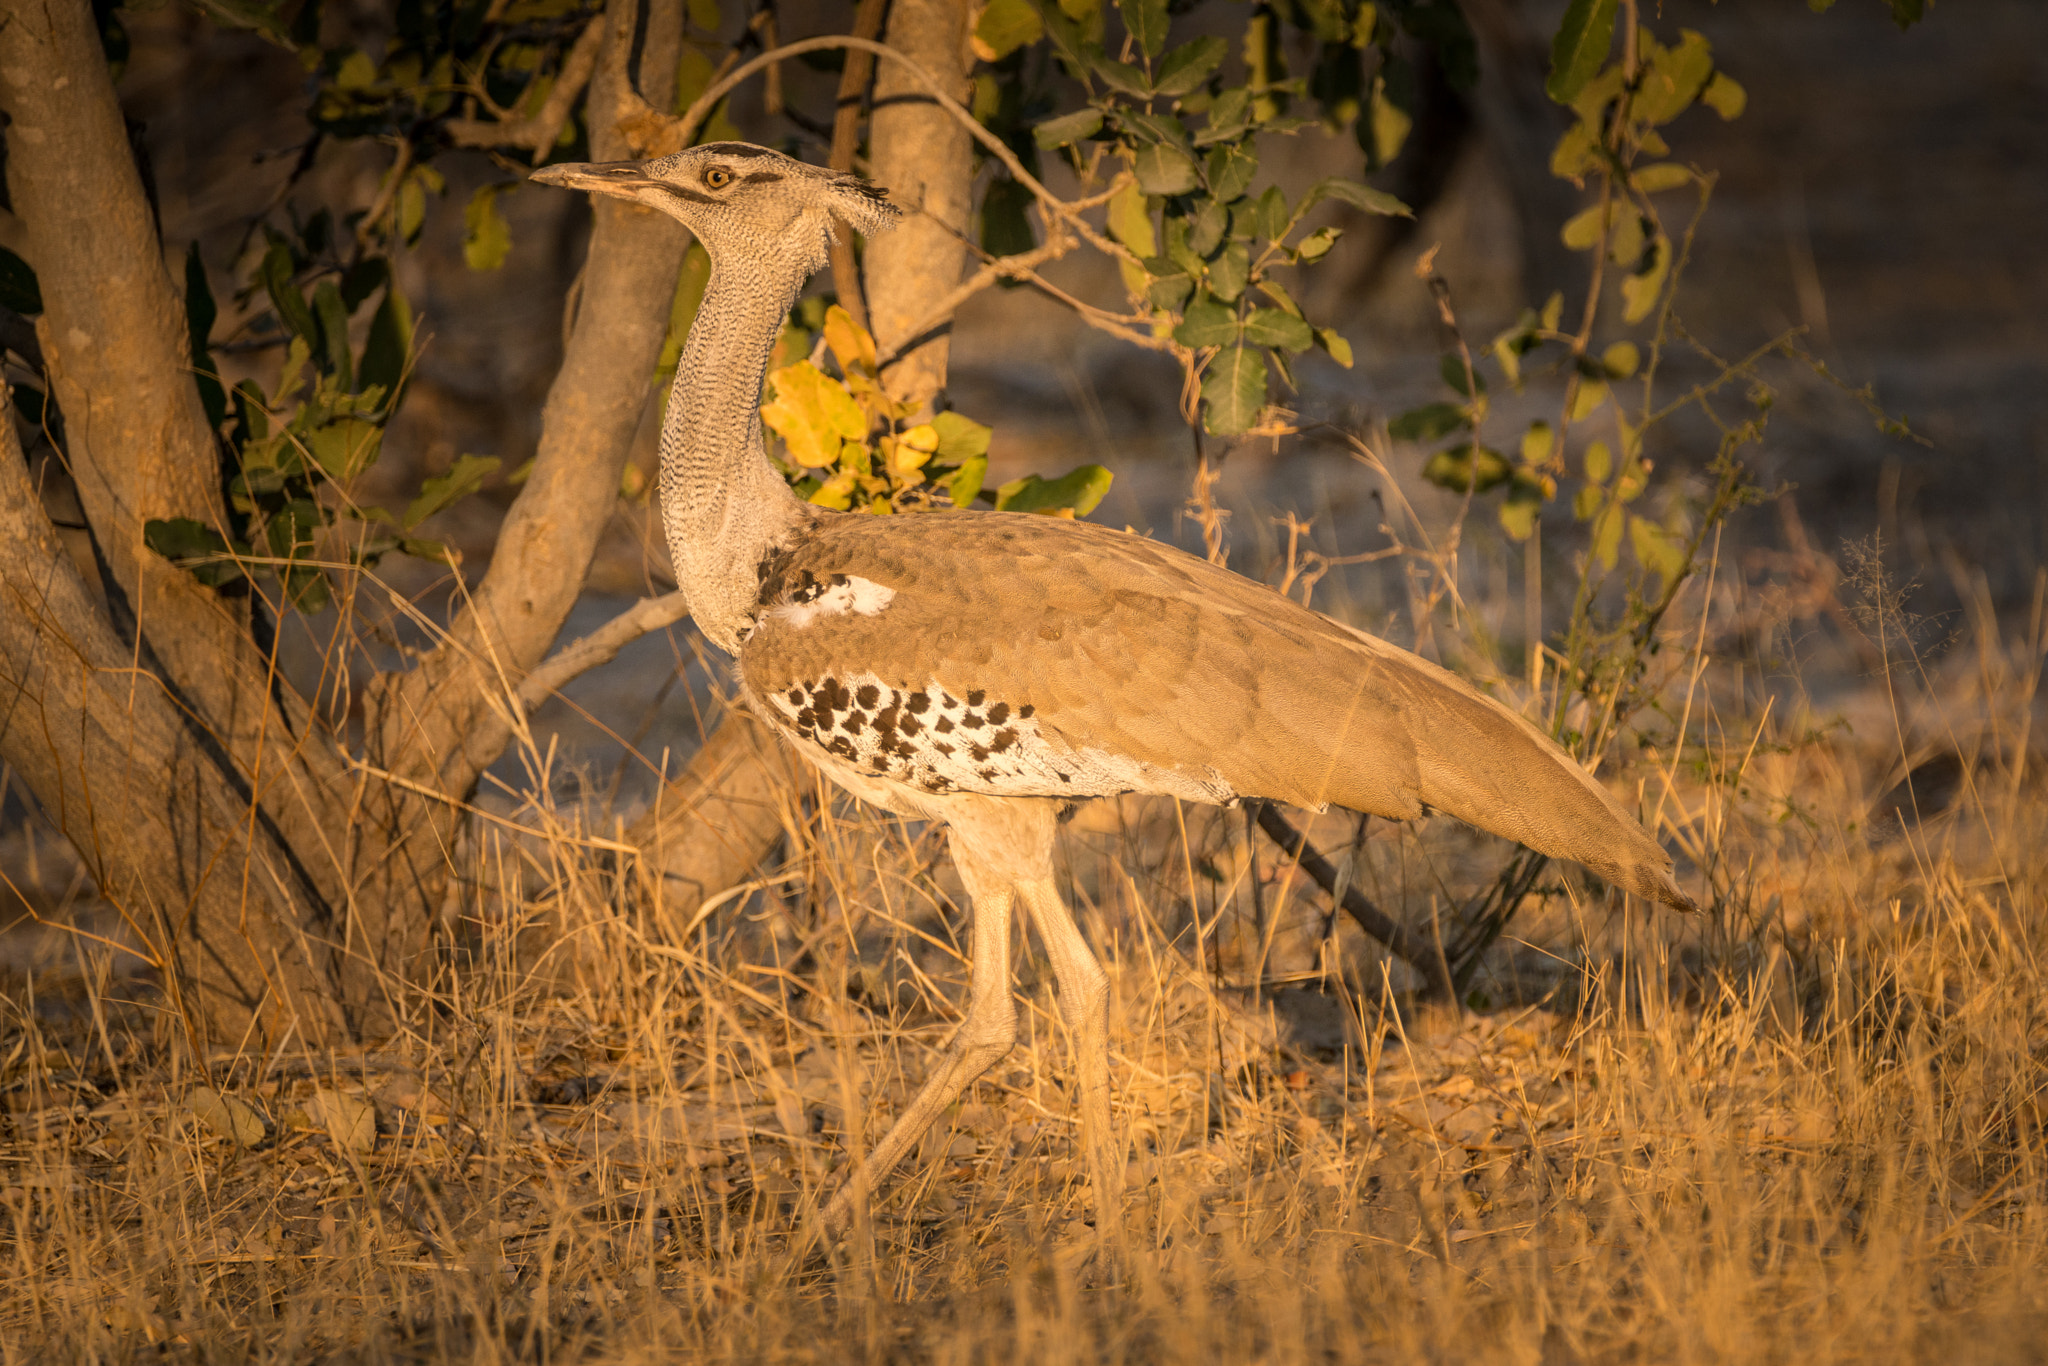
x=1084 y=1002
x=984 y=1036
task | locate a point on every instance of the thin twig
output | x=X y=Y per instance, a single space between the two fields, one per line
x=539 y=133
x=1424 y=958
x=681 y=130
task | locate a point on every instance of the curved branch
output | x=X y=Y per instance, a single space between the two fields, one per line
x=600 y=646
x=538 y=133
x=684 y=128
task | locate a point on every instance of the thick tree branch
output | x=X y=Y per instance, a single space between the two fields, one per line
x=436 y=723
x=600 y=646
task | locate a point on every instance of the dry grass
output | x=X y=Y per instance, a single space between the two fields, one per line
x=1806 y=1127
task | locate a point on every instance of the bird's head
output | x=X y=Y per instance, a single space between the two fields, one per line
x=741 y=201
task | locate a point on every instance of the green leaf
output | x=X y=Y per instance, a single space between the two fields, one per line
x=1207 y=324
x=813 y=413
x=1230 y=272
x=1333 y=342
x=251 y=14
x=1317 y=244
x=1229 y=116
x=960 y=438
x=1231 y=166
x=276 y=275
x=1206 y=227
x=1078 y=489
x=486 y=236
x=388 y=349
x=1145 y=21
x=1429 y=422
x=196 y=548
x=1005 y=227
x=200 y=312
x=1234 y=390
x=1271 y=214
x=1656 y=549
x=1187 y=66
x=422 y=549
x=1725 y=96
x=1467 y=467
x=18 y=287
x=1599 y=462
x=1580 y=48
x=1272 y=327
x=333 y=316
x=1537 y=443
x=1452 y=368
x=963 y=484
x=1121 y=77
x=1170 y=285
x=1130 y=221
x=1005 y=26
x=464 y=477
x=1165 y=170
x=1356 y=195
x=1068 y=128
x=345 y=448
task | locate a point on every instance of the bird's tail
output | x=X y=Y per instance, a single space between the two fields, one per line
x=1477 y=760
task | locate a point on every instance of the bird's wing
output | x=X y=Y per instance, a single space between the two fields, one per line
x=1154 y=670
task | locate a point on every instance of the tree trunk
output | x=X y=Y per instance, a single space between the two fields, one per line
x=926 y=159
x=202 y=878
x=270 y=869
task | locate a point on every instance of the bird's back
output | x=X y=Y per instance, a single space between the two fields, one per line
x=1119 y=663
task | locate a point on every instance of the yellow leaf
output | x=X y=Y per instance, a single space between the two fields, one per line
x=1592 y=393
x=1620 y=360
x=1599 y=462
x=1130 y=221
x=1537 y=443
x=1607 y=535
x=850 y=342
x=813 y=414
x=836 y=492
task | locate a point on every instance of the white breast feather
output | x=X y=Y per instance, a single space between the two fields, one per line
x=855 y=594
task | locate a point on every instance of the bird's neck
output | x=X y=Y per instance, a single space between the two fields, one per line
x=724 y=507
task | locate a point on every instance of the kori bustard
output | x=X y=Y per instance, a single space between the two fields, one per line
x=986 y=669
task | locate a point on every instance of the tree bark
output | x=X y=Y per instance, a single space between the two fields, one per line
x=195 y=869
x=926 y=159
x=446 y=720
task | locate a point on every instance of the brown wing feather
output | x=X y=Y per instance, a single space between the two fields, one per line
x=1125 y=645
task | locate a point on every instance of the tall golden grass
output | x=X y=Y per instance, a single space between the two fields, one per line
x=1805 y=1127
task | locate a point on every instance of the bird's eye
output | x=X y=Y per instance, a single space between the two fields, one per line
x=717 y=177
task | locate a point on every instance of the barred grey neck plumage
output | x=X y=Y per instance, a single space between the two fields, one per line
x=723 y=506
x=766 y=222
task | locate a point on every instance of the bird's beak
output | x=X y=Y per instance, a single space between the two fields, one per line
x=598 y=177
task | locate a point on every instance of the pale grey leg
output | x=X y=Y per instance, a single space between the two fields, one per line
x=984 y=1036
x=1084 y=1002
